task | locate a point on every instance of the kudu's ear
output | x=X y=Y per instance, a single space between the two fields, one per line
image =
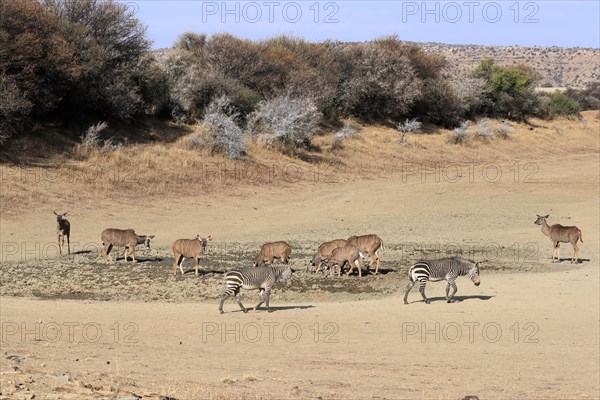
x=209 y=237
x=547 y=216
x=55 y=213
x=151 y=237
x=64 y=215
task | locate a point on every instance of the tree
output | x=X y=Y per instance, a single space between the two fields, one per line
x=511 y=90
x=109 y=45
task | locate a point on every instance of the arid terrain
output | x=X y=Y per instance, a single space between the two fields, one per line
x=558 y=66
x=77 y=327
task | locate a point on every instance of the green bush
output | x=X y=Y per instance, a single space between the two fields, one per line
x=560 y=104
x=588 y=98
x=510 y=90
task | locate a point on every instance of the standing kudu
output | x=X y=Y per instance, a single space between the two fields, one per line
x=63 y=228
x=189 y=248
x=560 y=234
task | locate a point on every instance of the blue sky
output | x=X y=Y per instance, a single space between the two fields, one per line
x=525 y=23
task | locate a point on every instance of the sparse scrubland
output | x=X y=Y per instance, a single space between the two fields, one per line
x=281 y=91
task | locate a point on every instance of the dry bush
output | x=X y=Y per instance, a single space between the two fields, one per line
x=91 y=138
x=377 y=81
x=285 y=122
x=461 y=134
x=35 y=55
x=110 y=45
x=220 y=121
x=504 y=130
x=410 y=125
x=14 y=107
x=195 y=86
x=588 y=98
x=484 y=130
x=346 y=132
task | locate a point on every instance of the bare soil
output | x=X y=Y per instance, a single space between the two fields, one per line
x=77 y=327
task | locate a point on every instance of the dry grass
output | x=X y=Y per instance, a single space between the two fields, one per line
x=148 y=171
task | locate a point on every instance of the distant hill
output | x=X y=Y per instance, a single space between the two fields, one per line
x=559 y=66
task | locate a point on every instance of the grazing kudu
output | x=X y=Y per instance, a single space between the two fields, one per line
x=370 y=244
x=186 y=248
x=323 y=253
x=561 y=234
x=341 y=255
x=123 y=238
x=271 y=251
x=63 y=228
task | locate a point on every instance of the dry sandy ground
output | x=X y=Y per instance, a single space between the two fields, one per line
x=518 y=335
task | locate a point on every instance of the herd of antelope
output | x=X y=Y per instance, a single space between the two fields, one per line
x=331 y=256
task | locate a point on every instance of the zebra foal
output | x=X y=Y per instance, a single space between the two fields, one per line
x=437 y=270
x=261 y=278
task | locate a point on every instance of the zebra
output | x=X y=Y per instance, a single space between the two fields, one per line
x=437 y=270
x=262 y=278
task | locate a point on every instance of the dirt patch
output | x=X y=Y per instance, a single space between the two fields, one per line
x=88 y=277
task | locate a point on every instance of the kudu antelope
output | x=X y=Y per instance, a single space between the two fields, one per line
x=341 y=255
x=323 y=253
x=63 y=228
x=560 y=234
x=270 y=251
x=123 y=238
x=187 y=248
x=369 y=244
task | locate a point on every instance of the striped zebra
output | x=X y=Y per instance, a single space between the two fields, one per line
x=437 y=270
x=262 y=278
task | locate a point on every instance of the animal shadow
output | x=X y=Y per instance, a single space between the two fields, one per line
x=578 y=261
x=458 y=299
x=81 y=252
x=202 y=272
x=283 y=308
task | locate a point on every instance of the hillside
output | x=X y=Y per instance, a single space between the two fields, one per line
x=559 y=66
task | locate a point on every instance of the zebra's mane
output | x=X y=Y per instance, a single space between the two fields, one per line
x=453 y=258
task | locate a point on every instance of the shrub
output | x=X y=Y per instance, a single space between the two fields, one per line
x=588 y=98
x=14 y=107
x=504 y=130
x=347 y=131
x=377 y=80
x=196 y=88
x=560 y=104
x=484 y=131
x=220 y=121
x=109 y=46
x=285 y=121
x=190 y=41
x=36 y=61
x=461 y=134
x=510 y=90
x=410 y=126
x=91 y=138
